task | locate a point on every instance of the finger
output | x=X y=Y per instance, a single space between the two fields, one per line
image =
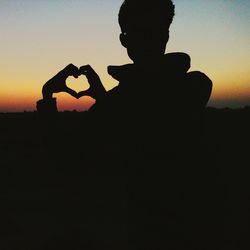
x=92 y=76
x=70 y=66
x=87 y=69
x=71 y=92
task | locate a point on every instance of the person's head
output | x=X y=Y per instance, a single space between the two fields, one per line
x=145 y=27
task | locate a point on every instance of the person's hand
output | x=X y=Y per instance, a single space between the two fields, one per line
x=58 y=82
x=96 y=89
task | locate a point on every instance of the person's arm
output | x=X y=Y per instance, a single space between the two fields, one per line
x=47 y=106
x=56 y=84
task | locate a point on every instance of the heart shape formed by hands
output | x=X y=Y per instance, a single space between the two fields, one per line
x=78 y=83
x=58 y=82
x=75 y=75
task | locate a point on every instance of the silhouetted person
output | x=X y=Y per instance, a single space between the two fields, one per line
x=150 y=122
x=156 y=89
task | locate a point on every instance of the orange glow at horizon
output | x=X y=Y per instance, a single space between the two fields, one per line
x=28 y=103
x=69 y=103
x=24 y=90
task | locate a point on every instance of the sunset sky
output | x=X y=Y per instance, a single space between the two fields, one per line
x=40 y=37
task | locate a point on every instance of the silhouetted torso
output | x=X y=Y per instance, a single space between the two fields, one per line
x=155 y=118
x=156 y=107
x=140 y=137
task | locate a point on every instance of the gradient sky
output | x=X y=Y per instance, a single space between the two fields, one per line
x=40 y=37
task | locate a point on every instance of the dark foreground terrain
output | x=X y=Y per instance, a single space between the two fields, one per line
x=74 y=198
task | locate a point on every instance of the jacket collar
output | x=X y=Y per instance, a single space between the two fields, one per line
x=173 y=63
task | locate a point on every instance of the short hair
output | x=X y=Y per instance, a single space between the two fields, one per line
x=159 y=11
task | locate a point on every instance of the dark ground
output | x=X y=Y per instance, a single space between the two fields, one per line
x=62 y=203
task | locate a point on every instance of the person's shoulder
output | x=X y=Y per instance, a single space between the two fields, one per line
x=200 y=85
x=198 y=77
